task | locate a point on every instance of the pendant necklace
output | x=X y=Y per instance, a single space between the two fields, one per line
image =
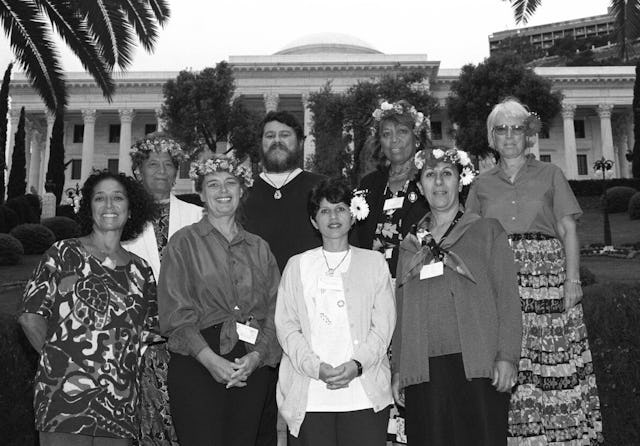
x=333 y=270
x=277 y=194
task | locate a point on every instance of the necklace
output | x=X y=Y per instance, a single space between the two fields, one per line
x=333 y=270
x=277 y=194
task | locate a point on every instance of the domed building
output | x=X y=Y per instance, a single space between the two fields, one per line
x=595 y=119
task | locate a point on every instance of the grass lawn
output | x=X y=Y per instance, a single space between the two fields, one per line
x=591 y=225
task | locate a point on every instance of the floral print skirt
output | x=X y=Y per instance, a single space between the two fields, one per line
x=156 y=426
x=555 y=401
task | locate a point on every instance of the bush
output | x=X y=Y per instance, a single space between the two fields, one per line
x=586 y=188
x=618 y=198
x=10 y=250
x=586 y=276
x=62 y=227
x=8 y=219
x=17 y=370
x=22 y=206
x=612 y=313
x=36 y=204
x=634 y=206
x=35 y=238
x=65 y=210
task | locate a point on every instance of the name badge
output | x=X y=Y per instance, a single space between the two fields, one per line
x=246 y=333
x=388 y=253
x=432 y=270
x=330 y=283
x=393 y=203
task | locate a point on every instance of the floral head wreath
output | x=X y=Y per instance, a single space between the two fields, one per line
x=157 y=143
x=450 y=156
x=359 y=207
x=222 y=163
x=388 y=109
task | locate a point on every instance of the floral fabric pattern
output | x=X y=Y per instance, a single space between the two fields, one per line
x=555 y=400
x=98 y=322
x=161 y=228
x=388 y=236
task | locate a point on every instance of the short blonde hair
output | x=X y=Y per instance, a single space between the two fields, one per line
x=509 y=107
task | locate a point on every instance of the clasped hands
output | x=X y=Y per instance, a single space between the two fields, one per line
x=338 y=377
x=233 y=374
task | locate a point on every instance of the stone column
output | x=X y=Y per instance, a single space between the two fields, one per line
x=606 y=135
x=36 y=144
x=271 y=101
x=309 y=142
x=51 y=118
x=124 y=160
x=14 y=118
x=159 y=121
x=570 y=149
x=89 y=118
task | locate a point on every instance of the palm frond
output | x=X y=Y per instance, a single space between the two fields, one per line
x=99 y=16
x=33 y=48
x=161 y=10
x=68 y=24
x=141 y=17
x=524 y=9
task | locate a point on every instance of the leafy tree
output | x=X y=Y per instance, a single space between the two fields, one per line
x=244 y=131
x=4 y=108
x=56 y=167
x=480 y=87
x=100 y=33
x=17 y=178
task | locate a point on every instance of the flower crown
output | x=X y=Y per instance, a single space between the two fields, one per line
x=222 y=163
x=450 y=156
x=359 y=207
x=387 y=110
x=158 y=144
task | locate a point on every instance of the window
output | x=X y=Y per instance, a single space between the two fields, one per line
x=78 y=133
x=112 y=165
x=545 y=158
x=184 y=169
x=583 y=168
x=150 y=128
x=578 y=125
x=114 y=133
x=76 y=169
x=436 y=130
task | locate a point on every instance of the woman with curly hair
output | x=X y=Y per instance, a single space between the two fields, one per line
x=89 y=310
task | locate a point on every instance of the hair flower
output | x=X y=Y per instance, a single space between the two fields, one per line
x=451 y=156
x=359 y=207
x=532 y=124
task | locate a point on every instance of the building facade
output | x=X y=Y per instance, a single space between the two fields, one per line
x=595 y=121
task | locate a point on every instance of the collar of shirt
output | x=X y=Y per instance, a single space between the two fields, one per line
x=530 y=166
x=204 y=227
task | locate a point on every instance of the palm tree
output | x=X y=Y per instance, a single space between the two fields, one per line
x=101 y=33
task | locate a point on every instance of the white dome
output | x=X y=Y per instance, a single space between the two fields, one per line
x=331 y=43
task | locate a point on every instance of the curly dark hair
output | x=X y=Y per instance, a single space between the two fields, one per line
x=283 y=117
x=141 y=204
x=334 y=190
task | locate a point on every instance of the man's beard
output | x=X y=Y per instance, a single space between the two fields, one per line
x=277 y=164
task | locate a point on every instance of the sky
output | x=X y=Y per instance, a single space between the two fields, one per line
x=201 y=33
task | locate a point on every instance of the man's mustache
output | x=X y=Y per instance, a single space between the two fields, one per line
x=278 y=145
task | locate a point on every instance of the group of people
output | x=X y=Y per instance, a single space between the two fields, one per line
x=166 y=323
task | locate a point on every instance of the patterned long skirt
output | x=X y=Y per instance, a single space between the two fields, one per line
x=156 y=426
x=555 y=401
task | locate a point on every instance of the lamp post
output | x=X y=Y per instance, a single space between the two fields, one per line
x=602 y=166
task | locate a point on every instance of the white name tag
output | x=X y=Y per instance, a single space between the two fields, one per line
x=246 y=333
x=432 y=270
x=393 y=203
x=330 y=283
x=388 y=253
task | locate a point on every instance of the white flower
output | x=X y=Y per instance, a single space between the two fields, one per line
x=386 y=106
x=359 y=207
x=377 y=114
x=419 y=159
x=438 y=153
x=466 y=176
x=464 y=158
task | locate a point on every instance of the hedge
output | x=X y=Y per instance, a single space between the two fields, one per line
x=589 y=188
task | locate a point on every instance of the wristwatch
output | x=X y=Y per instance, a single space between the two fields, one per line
x=358 y=366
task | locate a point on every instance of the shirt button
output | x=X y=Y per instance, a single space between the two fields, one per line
x=513 y=202
x=513 y=218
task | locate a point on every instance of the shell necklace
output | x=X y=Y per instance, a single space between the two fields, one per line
x=277 y=194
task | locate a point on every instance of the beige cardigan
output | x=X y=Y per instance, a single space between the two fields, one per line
x=372 y=316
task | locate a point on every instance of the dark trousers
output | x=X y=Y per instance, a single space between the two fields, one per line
x=453 y=411
x=204 y=412
x=268 y=430
x=356 y=428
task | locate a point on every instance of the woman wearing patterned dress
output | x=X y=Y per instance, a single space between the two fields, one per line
x=89 y=309
x=155 y=160
x=555 y=400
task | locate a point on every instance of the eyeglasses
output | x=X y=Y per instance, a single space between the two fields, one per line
x=503 y=130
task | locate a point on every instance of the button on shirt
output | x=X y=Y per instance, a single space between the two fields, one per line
x=535 y=201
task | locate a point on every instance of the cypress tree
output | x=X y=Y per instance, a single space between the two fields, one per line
x=4 y=109
x=55 y=169
x=635 y=161
x=17 y=178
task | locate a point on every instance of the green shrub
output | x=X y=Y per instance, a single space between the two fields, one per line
x=586 y=276
x=11 y=250
x=17 y=370
x=612 y=315
x=62 y=227
x=618 y=198
x=634 y=206
x=586 y=188
x=8 y=219
x=22 y=206
x=35 y=238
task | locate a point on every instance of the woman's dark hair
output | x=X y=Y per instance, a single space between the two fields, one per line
x=285 y=118
x=334 y=190
x=141 y=204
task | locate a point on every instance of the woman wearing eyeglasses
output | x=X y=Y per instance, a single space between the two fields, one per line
x=555 y=399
